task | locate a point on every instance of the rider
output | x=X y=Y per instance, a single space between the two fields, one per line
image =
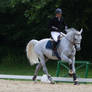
x=57 y=25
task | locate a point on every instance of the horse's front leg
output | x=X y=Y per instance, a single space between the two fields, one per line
x=65 y=58
x=70 y=70
x=71 y=61
x=74 y=72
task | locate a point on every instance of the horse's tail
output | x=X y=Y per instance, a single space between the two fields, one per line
x=31 y=55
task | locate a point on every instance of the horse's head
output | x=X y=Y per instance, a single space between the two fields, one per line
x=75 y=37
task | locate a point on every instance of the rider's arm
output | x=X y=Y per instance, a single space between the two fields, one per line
x=52 y=26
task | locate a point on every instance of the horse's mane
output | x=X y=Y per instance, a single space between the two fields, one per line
x=70 y=29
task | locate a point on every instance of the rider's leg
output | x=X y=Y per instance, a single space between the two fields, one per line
x=55 y=48
x=56 y=39
x=55 y=43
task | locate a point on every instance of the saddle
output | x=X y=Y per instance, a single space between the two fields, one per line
x=51 y=42
x=50 y=45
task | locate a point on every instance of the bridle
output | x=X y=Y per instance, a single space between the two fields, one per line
x=62 y=34
x=72 y=41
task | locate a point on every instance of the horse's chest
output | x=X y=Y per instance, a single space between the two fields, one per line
x=71 y=53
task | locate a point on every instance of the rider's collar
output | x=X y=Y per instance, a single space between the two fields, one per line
x=58 y=18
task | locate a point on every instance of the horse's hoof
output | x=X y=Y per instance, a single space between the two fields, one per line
x=76 y=83
x=52 y=82
x=34 y=78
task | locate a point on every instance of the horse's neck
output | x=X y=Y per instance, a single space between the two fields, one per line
x=69 y=36
x=70 y=39
x=67 y=40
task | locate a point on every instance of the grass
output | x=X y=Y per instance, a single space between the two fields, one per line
x=24 y=69
x=29 y=70
x=16 y=63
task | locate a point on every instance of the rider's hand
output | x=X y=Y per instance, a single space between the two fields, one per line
x=54 y=27
x=66 y=27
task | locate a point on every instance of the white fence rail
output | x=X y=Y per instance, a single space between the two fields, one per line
x=62 y=79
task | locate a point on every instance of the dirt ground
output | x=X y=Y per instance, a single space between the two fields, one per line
x=29 y=86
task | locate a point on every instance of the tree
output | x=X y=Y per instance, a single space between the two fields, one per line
x=23 y=20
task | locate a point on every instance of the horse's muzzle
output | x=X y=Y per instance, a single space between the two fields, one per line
x=78 y=48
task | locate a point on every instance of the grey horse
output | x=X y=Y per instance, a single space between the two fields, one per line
x=69 y=43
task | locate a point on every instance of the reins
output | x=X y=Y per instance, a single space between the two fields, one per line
x=71 y=41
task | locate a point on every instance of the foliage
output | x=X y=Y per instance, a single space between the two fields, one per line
x=23 y=20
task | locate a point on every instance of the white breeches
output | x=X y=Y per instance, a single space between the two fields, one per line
x=55 y=35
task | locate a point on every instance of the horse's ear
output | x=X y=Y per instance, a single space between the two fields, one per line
x=81 y=30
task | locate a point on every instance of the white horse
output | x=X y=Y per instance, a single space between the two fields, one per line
x=37 y=52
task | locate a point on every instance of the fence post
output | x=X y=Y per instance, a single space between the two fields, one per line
x=58 y=69
x=86 y=72
x=79 y=62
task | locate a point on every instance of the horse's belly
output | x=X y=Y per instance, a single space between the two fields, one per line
x=49 y=54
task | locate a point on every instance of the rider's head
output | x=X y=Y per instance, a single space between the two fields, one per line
x=58 y=12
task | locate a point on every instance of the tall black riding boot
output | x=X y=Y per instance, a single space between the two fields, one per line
x=55 y=50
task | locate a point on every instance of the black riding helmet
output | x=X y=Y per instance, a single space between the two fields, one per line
x=58 y=11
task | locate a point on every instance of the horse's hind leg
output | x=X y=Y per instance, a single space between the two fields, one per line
x=38 y=67
x=42 y=60
x=36 y=71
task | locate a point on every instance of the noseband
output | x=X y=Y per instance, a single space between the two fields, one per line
x=72 y=41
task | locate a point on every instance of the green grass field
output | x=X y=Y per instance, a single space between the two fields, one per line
x=15 y=63
x=19 y=69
